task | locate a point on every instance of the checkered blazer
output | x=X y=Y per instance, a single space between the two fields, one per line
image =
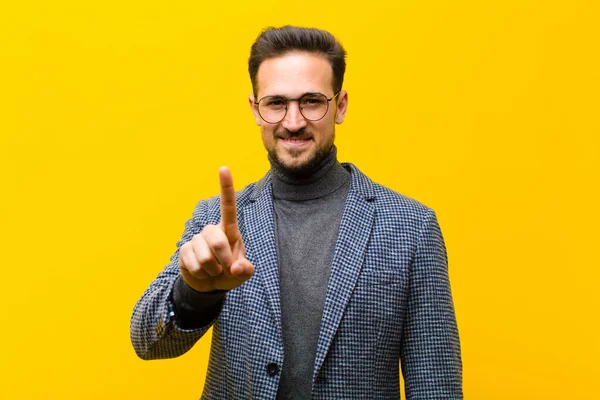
x=388 y=300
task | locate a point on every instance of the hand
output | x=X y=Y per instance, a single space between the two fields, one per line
x=215 y=258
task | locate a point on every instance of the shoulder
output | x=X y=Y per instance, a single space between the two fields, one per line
x=394 y=211
x=396 y=206
x=384 y=198
x=399 y=221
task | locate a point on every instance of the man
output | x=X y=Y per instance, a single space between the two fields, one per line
x=316 y=280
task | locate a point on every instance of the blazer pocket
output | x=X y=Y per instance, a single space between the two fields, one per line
x=371 y=277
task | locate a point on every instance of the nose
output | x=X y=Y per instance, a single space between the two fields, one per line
x=294 y=120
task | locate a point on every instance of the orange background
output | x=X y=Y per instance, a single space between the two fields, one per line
x=115 y=116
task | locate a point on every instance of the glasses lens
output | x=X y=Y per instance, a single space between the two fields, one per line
x=272 y=108
x=314 y=106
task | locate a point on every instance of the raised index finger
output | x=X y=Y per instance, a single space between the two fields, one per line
x=228 y=208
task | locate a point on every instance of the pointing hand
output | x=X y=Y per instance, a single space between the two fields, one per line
x=215 y=258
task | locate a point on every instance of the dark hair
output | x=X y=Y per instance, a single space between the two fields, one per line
x=276 y=42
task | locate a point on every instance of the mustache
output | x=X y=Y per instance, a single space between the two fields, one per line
x=300 y=133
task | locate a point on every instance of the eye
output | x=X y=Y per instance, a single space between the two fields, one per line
x=313 y=100
x=274 y=102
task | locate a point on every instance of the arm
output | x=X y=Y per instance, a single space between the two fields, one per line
x=430 y=349
x=168 y=304
x=187 y=296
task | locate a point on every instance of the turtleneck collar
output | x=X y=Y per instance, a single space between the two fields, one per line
x=328 y=176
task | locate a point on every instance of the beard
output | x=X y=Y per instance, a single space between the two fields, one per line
x=308 y=166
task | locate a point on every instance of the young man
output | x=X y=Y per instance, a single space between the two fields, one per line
x=317 y=281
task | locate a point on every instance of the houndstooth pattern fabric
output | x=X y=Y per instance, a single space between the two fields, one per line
x=388 y=301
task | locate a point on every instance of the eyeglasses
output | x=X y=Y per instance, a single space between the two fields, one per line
x=313 y=107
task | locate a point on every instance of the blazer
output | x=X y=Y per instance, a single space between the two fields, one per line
x=388 y=302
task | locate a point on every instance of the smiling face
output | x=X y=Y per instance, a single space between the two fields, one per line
x=295 y=143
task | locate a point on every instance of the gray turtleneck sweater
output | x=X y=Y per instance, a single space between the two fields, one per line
x=308 y=213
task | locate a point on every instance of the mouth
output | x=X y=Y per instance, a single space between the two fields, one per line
x=295 y=142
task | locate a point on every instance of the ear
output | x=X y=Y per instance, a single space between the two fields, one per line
x=341 y=107
x=254 y=109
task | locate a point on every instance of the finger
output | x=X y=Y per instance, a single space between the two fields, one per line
x=228 y=207
x=242 y=269
x=190 y=279
x=205 y=257
x=188 y=261
x=219 y=246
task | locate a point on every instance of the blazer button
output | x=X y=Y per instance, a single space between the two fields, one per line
x=272 y=369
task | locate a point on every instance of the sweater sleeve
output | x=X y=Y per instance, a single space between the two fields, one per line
x=195 y=309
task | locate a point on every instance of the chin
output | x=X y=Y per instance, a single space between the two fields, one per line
x=295 y=164
x=298 y=165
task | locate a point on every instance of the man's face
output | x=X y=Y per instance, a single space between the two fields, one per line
x=295 y=143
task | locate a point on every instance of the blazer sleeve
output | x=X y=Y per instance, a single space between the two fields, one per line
x=155 y=330
x=430 y=348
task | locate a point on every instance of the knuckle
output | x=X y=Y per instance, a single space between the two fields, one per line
x=208 y=230
x=220 y=243
x=193 y=270
x=186 y=247
x=197 y=242
x=184 y=258
x=204 y=259
x=214 y=236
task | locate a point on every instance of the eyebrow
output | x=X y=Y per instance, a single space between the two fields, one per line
x=288 y=98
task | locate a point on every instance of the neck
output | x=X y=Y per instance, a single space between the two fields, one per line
x=327 y=176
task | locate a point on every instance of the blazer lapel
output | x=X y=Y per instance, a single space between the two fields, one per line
x=355 y=229
x=261 y=250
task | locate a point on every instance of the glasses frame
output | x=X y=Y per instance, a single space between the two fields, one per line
x=287 y=102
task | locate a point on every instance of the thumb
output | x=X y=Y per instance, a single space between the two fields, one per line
x=242 y=269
